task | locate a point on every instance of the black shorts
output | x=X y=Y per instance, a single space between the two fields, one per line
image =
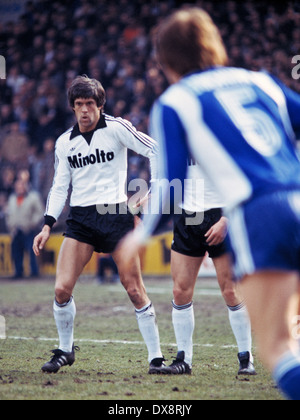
x=102 y=231
x=190 y=240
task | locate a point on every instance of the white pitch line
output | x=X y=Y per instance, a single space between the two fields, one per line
x=164 y=290
x=201 y=292
x=125 y=342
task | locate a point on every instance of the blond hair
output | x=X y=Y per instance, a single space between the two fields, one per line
x=188 y=40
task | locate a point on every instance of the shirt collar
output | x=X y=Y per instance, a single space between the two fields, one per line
x=76 y=132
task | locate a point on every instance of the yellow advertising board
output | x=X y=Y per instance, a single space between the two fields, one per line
x=6 y=267
x=155 y=257
x=48 y=259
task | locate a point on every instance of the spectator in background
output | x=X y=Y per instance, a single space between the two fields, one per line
x=42 y=169
x=15 y=80
x=14 y=147
x=3 y=227
x=7 y=179
x=107 y=270
x=24 y=217
x=6 y=115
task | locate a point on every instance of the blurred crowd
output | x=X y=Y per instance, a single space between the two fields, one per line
x=54 y=41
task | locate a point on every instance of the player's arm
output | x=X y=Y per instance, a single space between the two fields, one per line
x=143 y=145
x=172 y=157
x=168 y=189
x=59 y=192
x=218 y=232
x=41 y=239
x=56 y=199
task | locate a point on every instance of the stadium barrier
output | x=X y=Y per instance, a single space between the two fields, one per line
x=155 y=258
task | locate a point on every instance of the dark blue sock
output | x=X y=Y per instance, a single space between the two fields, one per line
x=287 y=376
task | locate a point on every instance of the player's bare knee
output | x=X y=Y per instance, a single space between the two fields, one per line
x=62 y=294
x=182 y=296
x=136 y=292
x=177 y=294
x=230 y=296
x=135 y=295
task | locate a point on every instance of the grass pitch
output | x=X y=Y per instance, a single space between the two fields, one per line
x=112 y=363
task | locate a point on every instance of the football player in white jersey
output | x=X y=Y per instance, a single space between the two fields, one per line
x=202 y=229
x=92 y=156
x=240 y=127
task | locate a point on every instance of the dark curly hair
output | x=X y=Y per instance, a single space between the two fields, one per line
x=84 y=87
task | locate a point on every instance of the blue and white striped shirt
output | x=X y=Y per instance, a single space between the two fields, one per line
x=238 y=125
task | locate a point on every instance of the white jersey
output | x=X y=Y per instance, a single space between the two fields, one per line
x=97 y=167
x=199 y=192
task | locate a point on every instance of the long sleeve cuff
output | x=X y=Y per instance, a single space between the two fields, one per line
x=49 y=221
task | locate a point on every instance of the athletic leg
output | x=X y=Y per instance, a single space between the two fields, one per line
x=230 y=290
x=184 y=271
x=237 y=311
x=272 y=300
x=133 y=283
x=132 y=280
x=72 y=259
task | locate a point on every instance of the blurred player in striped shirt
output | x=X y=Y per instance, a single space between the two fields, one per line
x=239 y=126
